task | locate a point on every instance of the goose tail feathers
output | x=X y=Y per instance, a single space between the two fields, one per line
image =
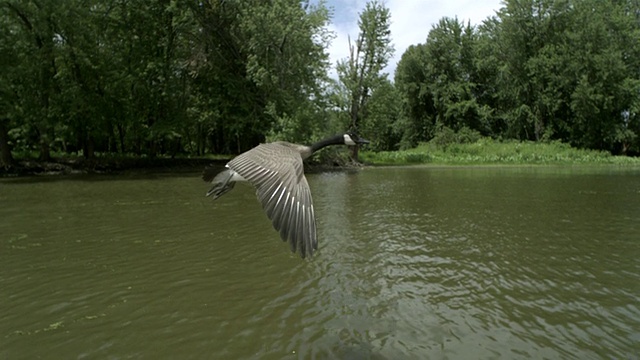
x=221 y=183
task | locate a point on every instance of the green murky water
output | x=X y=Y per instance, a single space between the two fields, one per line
x=414 y=263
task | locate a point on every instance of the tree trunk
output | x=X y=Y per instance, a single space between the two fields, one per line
x=6 y=159
x=121 y=138
x=153 y=148
x=45 y=150
x=89 y=148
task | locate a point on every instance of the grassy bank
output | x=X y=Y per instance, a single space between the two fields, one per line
x=486 y=151
x=483 y=151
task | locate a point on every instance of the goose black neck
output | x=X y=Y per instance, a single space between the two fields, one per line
x=333 y=140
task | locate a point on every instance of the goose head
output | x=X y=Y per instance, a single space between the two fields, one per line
x=352 y=139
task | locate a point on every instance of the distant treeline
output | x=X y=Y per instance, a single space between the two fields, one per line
x=167 y=77
x=540 y=70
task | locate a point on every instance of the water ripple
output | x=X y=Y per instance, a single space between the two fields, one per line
x=413 y=263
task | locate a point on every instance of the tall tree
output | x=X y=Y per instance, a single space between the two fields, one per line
x=417 y=104
x=487 y=74
x=439 y=80
x=10 y=50
x=603 y=65
x=384 y=124
x=288 y=62
x=569 y=71
x=361 y=73
x=37 y=19
x=450 y=75
x=264 y=62
x=527 y=26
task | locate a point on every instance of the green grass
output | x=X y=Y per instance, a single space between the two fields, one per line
x=488 y=152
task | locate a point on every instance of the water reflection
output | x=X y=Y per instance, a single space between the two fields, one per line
x=413 y=263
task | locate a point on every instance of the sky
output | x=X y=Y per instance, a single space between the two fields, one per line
x=411 y=21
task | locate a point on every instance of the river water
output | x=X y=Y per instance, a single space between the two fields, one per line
x=413 y=263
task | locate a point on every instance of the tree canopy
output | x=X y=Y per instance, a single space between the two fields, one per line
x=166 y=77
x=540 y=70
x=360 y=75
x=159 y=77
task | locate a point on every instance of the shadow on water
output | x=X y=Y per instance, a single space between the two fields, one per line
x=143 y=175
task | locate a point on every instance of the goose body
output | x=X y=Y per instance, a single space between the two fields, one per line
x=277 y=172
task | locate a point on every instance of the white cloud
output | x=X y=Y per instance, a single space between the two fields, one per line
x=411 y=21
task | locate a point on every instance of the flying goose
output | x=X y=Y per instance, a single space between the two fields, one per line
x=276 y=171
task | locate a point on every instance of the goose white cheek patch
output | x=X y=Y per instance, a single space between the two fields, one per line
x=348 y=140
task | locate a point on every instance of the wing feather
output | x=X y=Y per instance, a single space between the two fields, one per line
x=277 y=173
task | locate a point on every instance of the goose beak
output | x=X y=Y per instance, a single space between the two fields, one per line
x=362 y=141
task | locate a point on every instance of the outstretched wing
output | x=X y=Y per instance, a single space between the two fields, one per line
x=277 y=173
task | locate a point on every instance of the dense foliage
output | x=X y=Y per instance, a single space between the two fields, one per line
x=172 y=77
x=361 y=73
x=159 y=77
x=540 y=70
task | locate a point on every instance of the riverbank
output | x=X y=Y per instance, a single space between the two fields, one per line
x=66 y=165
x=105 y=165
x=481 y=152
x=486 y=151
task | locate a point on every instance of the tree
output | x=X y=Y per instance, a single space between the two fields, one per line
x=288 y=62
x=540 y=70
x=605 y=83
x=39 y=88
x=439 y=80
x=450 y=75
x=487 y=77
x=384 y=123
x=264 y=63
x=569 y=71
x=10 y=75
x=159 y=77
x=360 y=74
x=417 y=104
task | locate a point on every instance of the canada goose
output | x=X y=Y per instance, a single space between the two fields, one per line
x=276 y=171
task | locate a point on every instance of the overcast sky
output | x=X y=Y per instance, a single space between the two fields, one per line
x=411 y=21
